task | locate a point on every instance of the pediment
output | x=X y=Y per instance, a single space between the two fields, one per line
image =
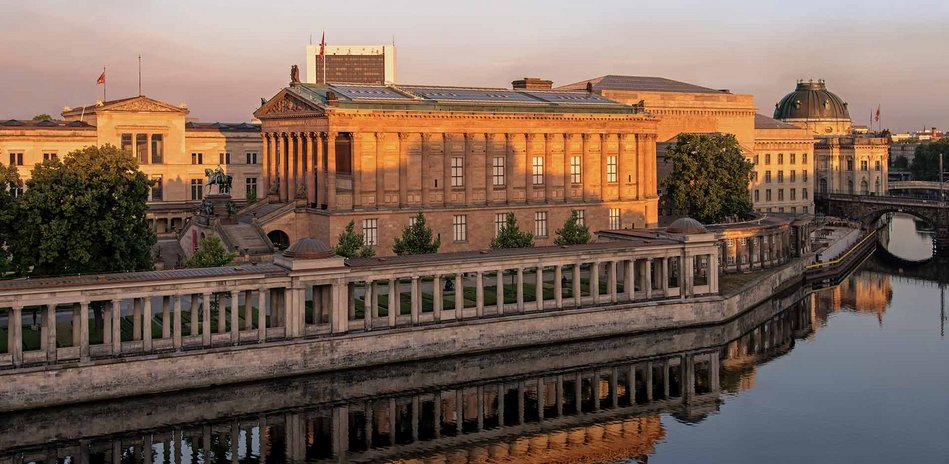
x=143 y=104
x=285 y=103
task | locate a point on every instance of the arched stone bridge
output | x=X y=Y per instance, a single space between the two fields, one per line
x=868 y=209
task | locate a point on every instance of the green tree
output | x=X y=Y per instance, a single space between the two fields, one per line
x=925 y=165
x=573 y=232
x=417 y=239
x=709 y=180
x=9 y=180
x=349 y=244
x=42 y=117
x=210 y=253
x=83 y=214
x=510 y=236
x=901 y=163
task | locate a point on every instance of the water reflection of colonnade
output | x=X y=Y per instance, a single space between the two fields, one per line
x=608 y=409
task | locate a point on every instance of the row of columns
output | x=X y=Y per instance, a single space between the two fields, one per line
x=746 y=249
x=303 y=165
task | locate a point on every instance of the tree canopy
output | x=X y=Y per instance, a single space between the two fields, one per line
x=349 y=244
x=210 y=253
x=900 y=162
x=573 y=232
x=417 y=239
x=9 y=180
x=925 y=165
x=709 y=180
x=510 y=236
x=42 y=117
x=83 y=214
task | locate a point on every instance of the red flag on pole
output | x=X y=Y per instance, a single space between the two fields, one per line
x=877 y=117
x=101 y=79
x=323 y=45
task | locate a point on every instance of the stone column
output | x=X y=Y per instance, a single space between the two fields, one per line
x=640 y=166
x=499 y=291
x=541 y=398
x=665 y=277
x=311 y=169
x=479 y=293
x=206 y=322
x=611 y=279
x=595 y=282
x=629 y=274
x=136 y=319
x=649 y=389
x=437 y=298
x=713 y=273
x=331 y=170
x=577 y=297
x=48 y=332
x=221 y=313
x=688 y=275
x=177 y=336
x=459 y=296
x=558 y=286
x=262 y=314
x=249 y=309
x=648 y=278
x=265 y=172
x=403 y=169
x=351 y=300
x=320 y=178
x=539 y=287
x=416 y=299
x=15 y=334
x=293 y=165
x=339 y=317
x=83 y=331
x=282 y=171
x=520 y=290
x=394 y=302
x=147 y=323
x=368 y=304
x=235 y=311
x=116 y=327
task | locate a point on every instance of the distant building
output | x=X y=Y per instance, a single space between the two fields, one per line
x=171 y=150
x=784 y=167
x=352 y=64
x=846 y=162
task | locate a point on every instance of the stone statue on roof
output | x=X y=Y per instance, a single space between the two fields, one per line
x=294 y=75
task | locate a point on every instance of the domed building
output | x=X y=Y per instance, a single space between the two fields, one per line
x=813 y=106
x=844 y=162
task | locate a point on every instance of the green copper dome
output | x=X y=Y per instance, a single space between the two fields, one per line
x=811 y=101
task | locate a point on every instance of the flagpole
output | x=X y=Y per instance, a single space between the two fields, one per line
x=323 y=54
x=103 y=85
x=139 y=74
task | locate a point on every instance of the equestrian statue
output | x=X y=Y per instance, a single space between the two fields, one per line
x=217 y=177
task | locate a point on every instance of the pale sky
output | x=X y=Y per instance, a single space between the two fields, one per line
x=221 y=57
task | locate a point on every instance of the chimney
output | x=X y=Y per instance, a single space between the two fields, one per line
x=532 y=83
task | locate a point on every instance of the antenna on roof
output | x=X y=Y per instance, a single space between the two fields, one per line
x=139 y=74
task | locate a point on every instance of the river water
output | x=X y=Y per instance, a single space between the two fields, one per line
x=853 y=373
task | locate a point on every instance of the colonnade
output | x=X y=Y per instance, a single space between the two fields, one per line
x=537 y=416
x=414 y=169
x=767 y=248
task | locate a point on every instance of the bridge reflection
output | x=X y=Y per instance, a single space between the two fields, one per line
x=597 y=401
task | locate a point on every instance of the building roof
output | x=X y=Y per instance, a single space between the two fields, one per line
x=764 y=122
x=811 y=101
x=145 y=276
x=223 y=126
x=686 y=226
x=137 y=103
x=49 y=124
x=640 y=84
x=445 y=98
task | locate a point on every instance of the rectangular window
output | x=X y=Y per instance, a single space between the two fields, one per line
x=576 y=172
x=497 y=171
x=224 y=158
x=754 y=176
x=251 y=187
x=370 y=231
x=793 y=175
x=537 y=170
x=804 y=195
x=615 y=221
x=197 y=189
x=459 y=226
x=16 y=192
x=197 y=158
x=805 y=210
x=804 y=161
x=540 y=224
x=49 y=156
x=863 y=165
x=780 y=158
x=780 y=194
x=251 y=158
x=126 y=143
x=499 y=220
x=756 y=160
x=457 y=171
x=767 y=177
x=793 y=158
x=877 y=165
x=780 y=176
x=804 y=175
x=611 y=169
x=793 y=194
x=155 y=192
x=850 y=165
x=757 y=196
x=158 y=149
x=767 y=159
x=16 y=159
x=767 y=195
x=580 y=216
x=141 y=148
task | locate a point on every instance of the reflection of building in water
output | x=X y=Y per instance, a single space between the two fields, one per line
x=605 y=412
x=864 y=292
x=770 y=340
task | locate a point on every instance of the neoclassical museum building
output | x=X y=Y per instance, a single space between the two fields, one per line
x=845 y=162
x=379 y=154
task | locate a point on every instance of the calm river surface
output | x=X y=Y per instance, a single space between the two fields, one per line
x=854 y=373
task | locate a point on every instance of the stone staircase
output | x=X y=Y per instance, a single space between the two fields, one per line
x=246 y=236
